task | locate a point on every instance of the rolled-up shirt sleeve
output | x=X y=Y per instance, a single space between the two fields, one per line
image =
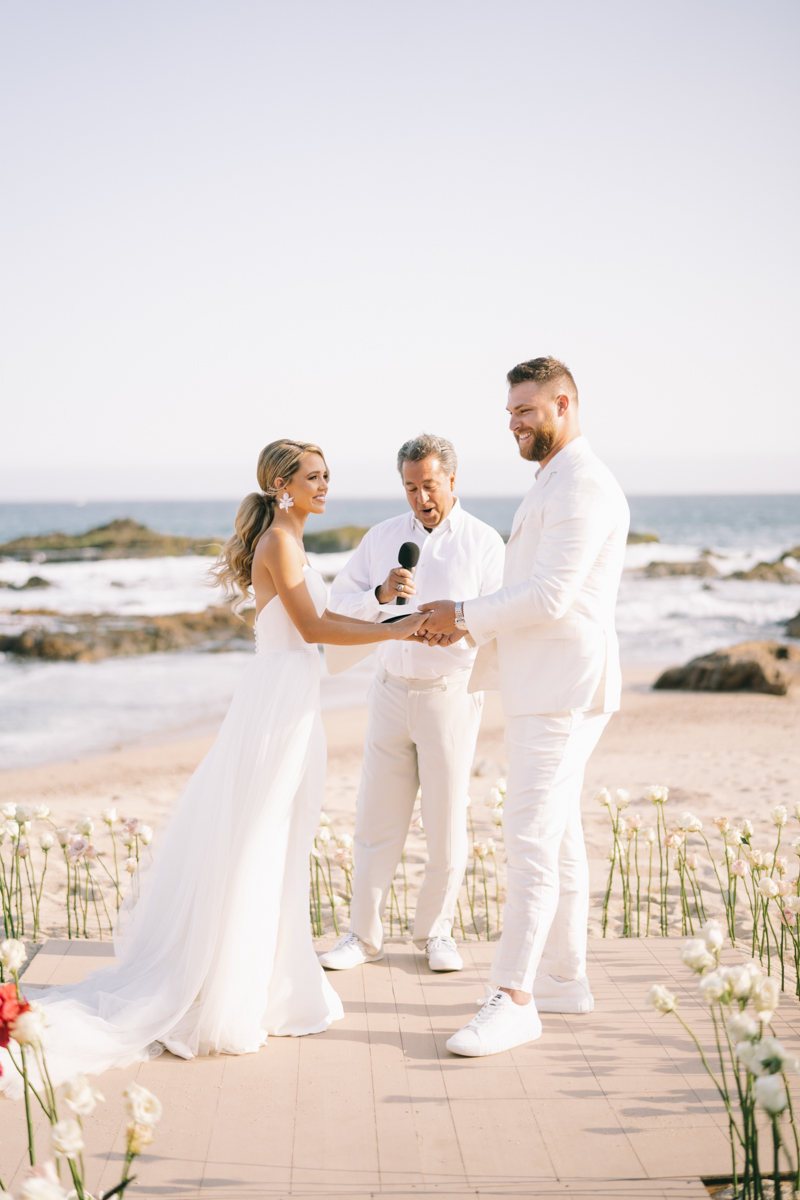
x=572 y=537
x=352 y=593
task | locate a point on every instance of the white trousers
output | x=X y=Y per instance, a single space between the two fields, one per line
x=421 y=732
x=547 y=904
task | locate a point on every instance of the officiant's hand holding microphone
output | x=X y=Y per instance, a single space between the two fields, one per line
x=399 y=583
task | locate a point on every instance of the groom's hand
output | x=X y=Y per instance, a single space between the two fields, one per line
x=440 y=618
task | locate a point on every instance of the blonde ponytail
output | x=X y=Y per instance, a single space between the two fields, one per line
x=278 y=460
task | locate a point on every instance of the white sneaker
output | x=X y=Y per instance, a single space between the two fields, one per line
x=348 y=952
x=500 y=1025
x=555 y=995
x=442 y=954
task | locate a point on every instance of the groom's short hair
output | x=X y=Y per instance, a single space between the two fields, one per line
x=542 y=370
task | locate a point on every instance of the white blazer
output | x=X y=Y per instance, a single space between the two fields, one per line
x=547 y=638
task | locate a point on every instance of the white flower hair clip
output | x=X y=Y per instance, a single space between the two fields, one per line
x=286 y=502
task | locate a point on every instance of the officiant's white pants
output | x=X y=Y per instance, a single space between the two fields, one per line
x=547 y=904
x=421 y=732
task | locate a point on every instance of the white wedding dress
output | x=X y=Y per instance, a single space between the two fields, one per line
x=213 y=945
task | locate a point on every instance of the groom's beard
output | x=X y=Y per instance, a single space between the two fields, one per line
x=542 y=442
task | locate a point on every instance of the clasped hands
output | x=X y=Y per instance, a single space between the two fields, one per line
x=439 y=628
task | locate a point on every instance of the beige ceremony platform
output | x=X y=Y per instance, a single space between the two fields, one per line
x=613 y=1104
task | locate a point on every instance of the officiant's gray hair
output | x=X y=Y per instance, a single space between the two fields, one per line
x=427 y=445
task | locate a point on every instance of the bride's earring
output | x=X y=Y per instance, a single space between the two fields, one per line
x=286 y=502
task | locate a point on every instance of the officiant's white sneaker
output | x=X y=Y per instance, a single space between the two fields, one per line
x=500 y=1025
x=442 y=954
x=348 y=952
x=554 y=995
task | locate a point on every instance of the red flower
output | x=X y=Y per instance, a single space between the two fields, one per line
x=10 y=1008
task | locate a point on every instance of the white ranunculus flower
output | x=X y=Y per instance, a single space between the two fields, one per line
x=23 y=813
x=500 y=784
x=769 y=1057
x=714 y=986
x=742 y=1028
x=344 y=840
x=741 y=980
x=766 y=996
x=42 y=1184
x=66 y=1139
x=733 y=837
x=494 y=799
x=656 y=794
x=662 y=998
x=770 y=1093
x=85 y=826
x=712 y=934
x=767 y=887
x=767 y=859
x=604 y=798
x=649 y=835
x=128 y=840
x=142 y=1106
x=721 y=823
x=9 y=811
x=497 y=816
x=41 y=812
x=130 y=865
x=12 y=828
x=108 y=816
x=696 y=956
x=622 y=798
x=63 y=836
x=145 y=835
x=138 y=1136
x=792 y=903
x=81 y=1096
x=324 y=834
x=12 y=954
x=47 y=841
x=746 y=829
x=633 y=821
x=779 y=815
x=324 y=819
x=689 y=823
x=28 y=1027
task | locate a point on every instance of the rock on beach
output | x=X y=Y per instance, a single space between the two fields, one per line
x=766 y=666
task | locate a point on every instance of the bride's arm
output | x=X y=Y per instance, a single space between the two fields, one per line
x=279 y=554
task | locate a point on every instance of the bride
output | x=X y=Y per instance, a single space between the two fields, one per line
x=214 y=948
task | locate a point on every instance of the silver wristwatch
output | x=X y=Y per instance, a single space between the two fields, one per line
x=460 y=622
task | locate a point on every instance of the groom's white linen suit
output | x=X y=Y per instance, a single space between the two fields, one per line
x=547 y=640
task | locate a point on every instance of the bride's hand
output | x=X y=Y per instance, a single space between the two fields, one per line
x=408 y=626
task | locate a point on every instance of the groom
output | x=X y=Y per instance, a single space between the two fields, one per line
x=547 y=639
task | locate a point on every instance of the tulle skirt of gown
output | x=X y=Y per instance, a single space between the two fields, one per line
x=214 y=948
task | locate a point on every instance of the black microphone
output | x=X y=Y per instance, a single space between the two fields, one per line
x=408 y=558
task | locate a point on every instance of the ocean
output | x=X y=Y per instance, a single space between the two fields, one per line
x=58 y=711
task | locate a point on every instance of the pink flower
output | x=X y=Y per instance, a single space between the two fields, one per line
x=693 y=861
x=782 y=863
x=131 y=825
x=785 y=888
x=22 y=850
x=44 y=1171
x=739 y=868
x=90 y=851
x=674 y=840
x=78 y=847
x=788 y=917
x=721 y=823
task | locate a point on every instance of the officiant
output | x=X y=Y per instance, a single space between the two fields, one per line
x=423 y=724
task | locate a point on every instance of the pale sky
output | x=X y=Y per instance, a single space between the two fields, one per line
x=340 y=220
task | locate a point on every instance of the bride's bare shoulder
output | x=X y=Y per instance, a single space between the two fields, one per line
x=278 y=551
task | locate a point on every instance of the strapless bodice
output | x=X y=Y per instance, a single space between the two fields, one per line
x=275 y=629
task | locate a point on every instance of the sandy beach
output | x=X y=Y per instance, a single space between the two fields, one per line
x=736 y=754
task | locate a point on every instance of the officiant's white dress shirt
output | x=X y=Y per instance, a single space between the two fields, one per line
x=462 y=556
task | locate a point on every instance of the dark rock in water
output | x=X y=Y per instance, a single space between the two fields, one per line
x=636 y=539
x=89 y=638
x=119 y=539
x=776 y=572
x=35 y=581
x=330 y=541
x=793 y=626
x=749 y=667
x=661 y=570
